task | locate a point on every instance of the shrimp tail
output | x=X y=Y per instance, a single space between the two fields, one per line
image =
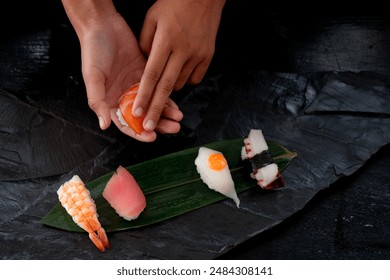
x=103 y=237
x=100 y=239
x=96 y=240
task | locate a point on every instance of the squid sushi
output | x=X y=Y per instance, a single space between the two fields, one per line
x=124 y=111
x=76 y=200
x=214 y=172
x=124 y=194
x=264 y=170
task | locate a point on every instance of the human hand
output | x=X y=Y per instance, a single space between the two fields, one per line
x=111 y=62
x=179 y=38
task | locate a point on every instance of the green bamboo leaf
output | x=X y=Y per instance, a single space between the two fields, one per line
x=171 y=185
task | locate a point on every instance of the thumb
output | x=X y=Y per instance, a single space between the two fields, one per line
x=96 y=94
x=102 y=111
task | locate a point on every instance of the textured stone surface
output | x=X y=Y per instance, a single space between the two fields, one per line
x=330 y=144
x=335 y=202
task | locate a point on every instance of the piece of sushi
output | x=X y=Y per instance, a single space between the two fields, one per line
x=124 y=194
x=77 y=201
x=124 y=112
x=254 y=144
x=214 y=172
x=264 y=170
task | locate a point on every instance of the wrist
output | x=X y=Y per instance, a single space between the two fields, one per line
x=86 y=13
x=213 y=3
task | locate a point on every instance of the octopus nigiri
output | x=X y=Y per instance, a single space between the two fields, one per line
x=214 y=172
x=124 y=111
x=77 y=201
x=265 y=171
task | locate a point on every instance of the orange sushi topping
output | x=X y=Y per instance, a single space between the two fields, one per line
x=217 y=162
x=126 y=105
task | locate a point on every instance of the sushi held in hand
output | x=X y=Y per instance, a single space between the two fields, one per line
x=124 y=111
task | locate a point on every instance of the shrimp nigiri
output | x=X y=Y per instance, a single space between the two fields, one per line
x=124 y=112
x=77 y=201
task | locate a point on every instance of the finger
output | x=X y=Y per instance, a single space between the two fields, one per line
x=162 y=91
x=172 y=113
x=153 y=70
x=165 y=126
x=145 y=136
x=199 y=72
x=185 y=73
x=96 y=93
x=147 y=34
x=172 y=103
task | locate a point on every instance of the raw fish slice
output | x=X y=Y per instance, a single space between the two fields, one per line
x=214 y=172
x=124 y=194
x=76 y=199
x=124 y=111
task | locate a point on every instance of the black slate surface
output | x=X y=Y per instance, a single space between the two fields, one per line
x=331 y=143
x=335 y=119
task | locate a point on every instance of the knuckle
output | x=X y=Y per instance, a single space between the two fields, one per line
x=156 y=111
x=92 y=103
x=207 y=57
x=152 y=76
x=166 y=86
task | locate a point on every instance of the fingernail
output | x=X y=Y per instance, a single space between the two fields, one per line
x=101 y=122
x=138 y=112
x=149 y=125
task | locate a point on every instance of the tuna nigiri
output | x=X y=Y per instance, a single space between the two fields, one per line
x=124 y=194
x=214 y=172
x=124 y=111
x=76 y=200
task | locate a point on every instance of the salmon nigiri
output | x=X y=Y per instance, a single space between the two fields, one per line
x=124 y=112
x=76 y=200
x=124 y=194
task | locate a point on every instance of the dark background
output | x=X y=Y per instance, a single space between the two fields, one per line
x=350 y=219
